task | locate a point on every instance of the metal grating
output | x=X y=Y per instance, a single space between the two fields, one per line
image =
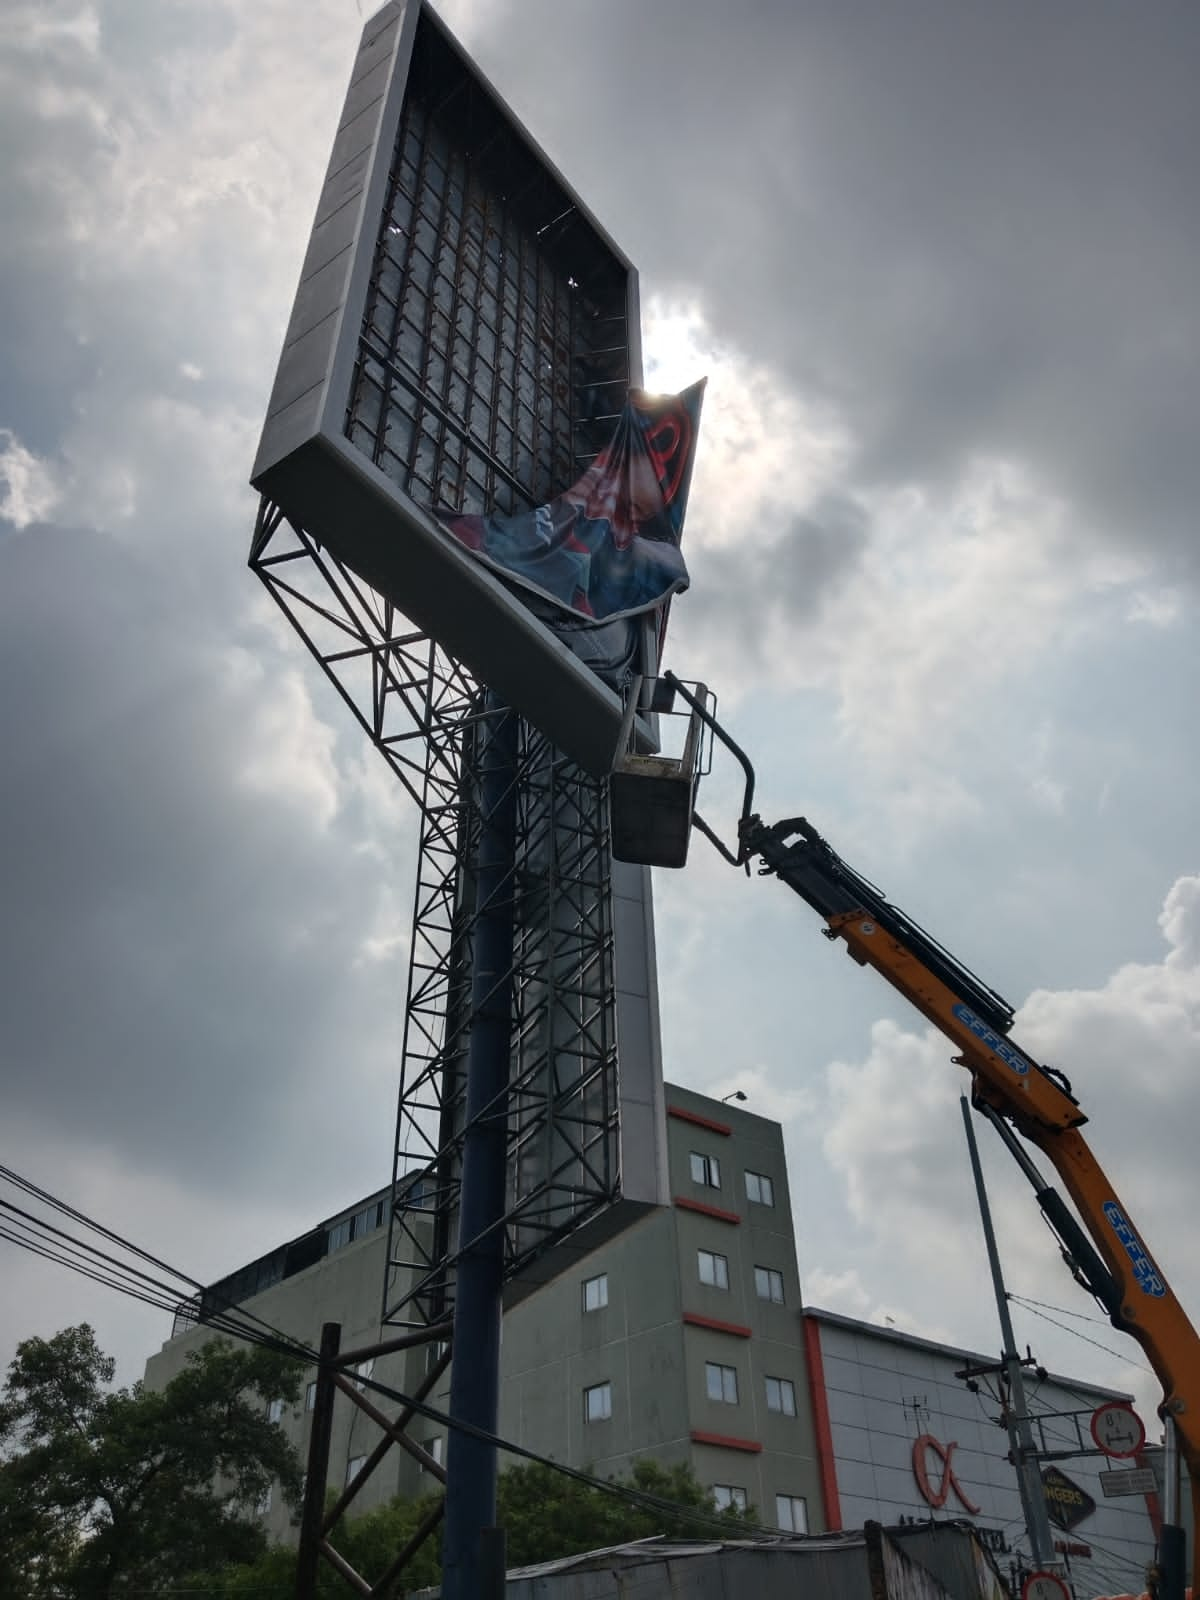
x=494 y=355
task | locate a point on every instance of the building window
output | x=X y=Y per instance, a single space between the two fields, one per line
x=364 y=1369
x=791 y=1513
x=768 y=1284
x=713 y=1269
x=595 y=1292
x=274 y=1410
x=597 y=1403
x=760 y=1191
x=356 y=1227
x=781 y=1396
x=310 y=1397
x=721 y=1382
x=353 y=1467
x=729 y=1496
x=435 y=1448
x=264 y=1503
x=434 y=1353
x=706 y=1170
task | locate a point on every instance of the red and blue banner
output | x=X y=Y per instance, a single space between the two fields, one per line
x=607 y=547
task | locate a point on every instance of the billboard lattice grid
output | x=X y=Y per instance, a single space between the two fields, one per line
x=494 y=354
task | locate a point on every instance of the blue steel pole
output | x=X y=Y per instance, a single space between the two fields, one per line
x=475 y=1370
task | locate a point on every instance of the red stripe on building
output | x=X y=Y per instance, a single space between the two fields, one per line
x=722 y=1128
x=820 y=1411
x=707 y=1211
x=695 y=1320
x=725 y=1441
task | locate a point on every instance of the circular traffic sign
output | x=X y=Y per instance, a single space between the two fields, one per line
x=1117 y=1429
x=1044 y=1586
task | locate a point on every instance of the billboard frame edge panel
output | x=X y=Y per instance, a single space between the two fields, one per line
x=369 y=202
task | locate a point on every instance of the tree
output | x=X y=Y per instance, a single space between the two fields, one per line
x=104 y=1493
x=544 y=1513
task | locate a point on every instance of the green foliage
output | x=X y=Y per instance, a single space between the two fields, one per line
x=544 y=1513
x=106 y=1493
x=369 y=1543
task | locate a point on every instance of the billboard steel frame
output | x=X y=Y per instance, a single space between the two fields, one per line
x=460 y=340
x=425 y=714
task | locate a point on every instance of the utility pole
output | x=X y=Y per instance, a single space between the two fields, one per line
x=1016 y=1412
x=1172 y=1540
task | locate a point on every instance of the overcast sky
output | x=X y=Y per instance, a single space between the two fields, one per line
x=938 y=261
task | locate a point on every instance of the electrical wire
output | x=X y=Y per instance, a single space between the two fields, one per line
x=1082 y=1316
x=1034 y=1307
x=45 y=1239
x=50 y=1242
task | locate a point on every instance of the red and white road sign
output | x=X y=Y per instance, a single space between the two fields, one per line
x=1044 y=1586
x=1117 y=1429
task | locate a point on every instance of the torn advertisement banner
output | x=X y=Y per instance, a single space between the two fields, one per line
x=607 y=547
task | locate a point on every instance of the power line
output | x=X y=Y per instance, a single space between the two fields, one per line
x=88 y=1260
x=44 y=1238
x=1034 y=1307
x=1082 y=1316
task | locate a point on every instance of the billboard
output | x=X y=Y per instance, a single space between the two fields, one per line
x=464 y=340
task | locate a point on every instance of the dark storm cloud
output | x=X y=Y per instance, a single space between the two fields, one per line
x=973 y=229
x=179 y=951
x=183 y=983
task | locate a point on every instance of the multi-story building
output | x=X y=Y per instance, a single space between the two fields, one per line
x=683 y=1338
x=902 y=1438
x=680 y=1338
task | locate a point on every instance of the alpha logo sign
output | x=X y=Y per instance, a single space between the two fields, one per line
x=1144 y=1270
x=926 y=1451
x=1066 y=1503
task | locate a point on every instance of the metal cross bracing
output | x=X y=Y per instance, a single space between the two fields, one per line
x=561 y=1110
x=398 y=685
x=423 y=712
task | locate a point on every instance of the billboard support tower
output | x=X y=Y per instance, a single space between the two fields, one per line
x=462 y=338
x=475 y=1382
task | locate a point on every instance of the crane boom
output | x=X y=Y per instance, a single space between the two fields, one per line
x=1107 y=1254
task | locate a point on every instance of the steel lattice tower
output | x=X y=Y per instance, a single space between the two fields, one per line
x=425 y=714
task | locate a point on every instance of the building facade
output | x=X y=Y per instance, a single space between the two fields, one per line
x=680 y=1338
x=683 y=1338
x=903 y=1439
